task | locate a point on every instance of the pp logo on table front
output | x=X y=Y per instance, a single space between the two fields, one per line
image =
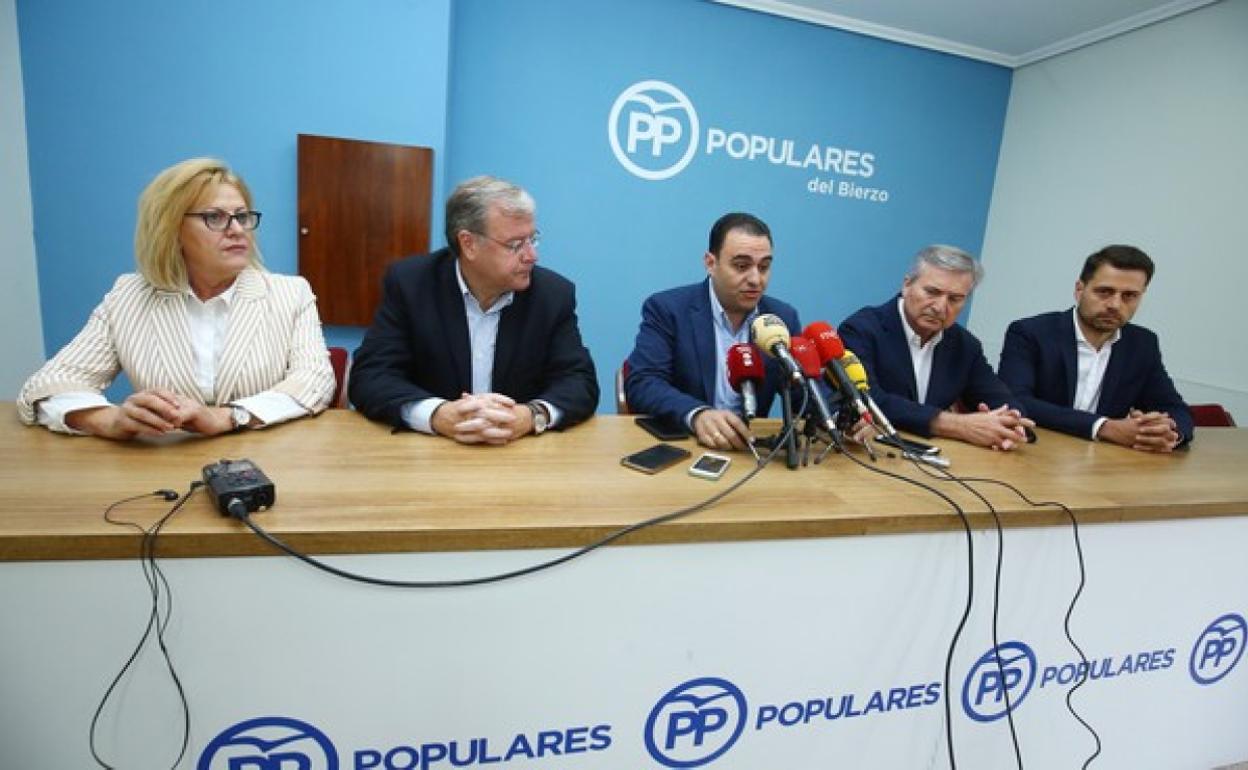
x=270 y=743
x=695 y=722
x=653 y=130
x=1218 y=649
x=1010 y=670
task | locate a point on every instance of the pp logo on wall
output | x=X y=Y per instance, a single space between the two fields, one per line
x=1218 y=649
x=653 y=130
x=1009 y=669
x=270 y=743
x=695 y=722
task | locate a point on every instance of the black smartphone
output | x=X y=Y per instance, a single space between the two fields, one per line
x=655 y=458
x=907 y=445
x=662 y=429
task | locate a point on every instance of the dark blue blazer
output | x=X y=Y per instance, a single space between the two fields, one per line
x=1039 y=363
x=959 y=371
x=418 y=344
x=671 y=370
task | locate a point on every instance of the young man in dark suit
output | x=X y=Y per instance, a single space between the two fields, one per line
x=475 y=341
x=921 y=362
x=677 y=369
x=1091 y=373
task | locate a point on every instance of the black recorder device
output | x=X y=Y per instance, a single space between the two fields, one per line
x=231 y=480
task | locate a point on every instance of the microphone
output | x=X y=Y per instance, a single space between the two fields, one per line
x=858 y=374
x=808 y=358
x=745 y=374
x=831 y=351
x=772 y=336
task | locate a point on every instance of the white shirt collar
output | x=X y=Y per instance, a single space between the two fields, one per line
x=226 y=297
x=912 y=336
x=470 y=300
x=1082 y=340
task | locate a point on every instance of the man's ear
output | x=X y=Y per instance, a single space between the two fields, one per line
x=708 y=259
x=466 y=244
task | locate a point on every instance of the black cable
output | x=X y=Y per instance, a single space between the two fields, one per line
x=238 y=510
x=1083 y=658
x=156 y=620
x=996 y=594
x=970 y=586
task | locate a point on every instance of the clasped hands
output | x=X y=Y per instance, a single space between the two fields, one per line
x=152 y=412
x=1003 y=428
x=1145 y=431
x=482 y=418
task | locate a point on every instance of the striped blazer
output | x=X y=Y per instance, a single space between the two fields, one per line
x=273 y=342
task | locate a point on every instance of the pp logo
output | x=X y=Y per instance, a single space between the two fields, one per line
x=1218 y=649
x=1011 y=668
x=659 y=127
x=695 y=722
x=270 y=743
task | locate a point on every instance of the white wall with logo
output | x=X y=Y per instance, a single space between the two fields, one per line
x=21 y=345
x=1139 y=139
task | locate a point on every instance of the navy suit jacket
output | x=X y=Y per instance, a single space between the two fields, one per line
x=418 y=344
x=959 y=371
x=671 y=370
x=1039 y=363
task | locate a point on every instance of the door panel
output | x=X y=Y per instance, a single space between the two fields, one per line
x=362 y=205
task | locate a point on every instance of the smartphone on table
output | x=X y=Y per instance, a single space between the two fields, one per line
x=663 y=430
x=908 y=445
x=710 y=466
x=654 y=459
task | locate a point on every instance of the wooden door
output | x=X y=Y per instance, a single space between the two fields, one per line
x=362 y=205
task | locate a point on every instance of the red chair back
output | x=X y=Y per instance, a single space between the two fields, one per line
x=1211 y=416
x=340 y=360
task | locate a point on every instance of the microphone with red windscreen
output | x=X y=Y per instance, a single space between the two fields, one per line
x=807 y=358
x=745 y=375
x=831 y=352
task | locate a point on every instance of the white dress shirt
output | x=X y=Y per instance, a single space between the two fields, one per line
x=1092 y=366
x=920 y=354
x=482 y=339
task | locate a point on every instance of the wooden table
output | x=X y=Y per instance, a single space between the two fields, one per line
x=347 y=485
x=802 y=587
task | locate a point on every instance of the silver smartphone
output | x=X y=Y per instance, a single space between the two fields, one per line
x=908 y=445
x=710 y=466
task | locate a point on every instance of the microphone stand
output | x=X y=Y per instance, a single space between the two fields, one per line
x=788 y=430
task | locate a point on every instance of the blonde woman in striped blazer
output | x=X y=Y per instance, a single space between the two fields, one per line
x=210 y=340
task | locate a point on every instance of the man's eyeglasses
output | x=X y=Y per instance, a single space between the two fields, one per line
x=516 y=245
x=219 y=221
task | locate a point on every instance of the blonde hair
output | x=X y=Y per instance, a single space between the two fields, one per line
x=162 y=207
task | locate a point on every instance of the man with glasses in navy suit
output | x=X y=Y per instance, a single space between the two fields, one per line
x=475 y=342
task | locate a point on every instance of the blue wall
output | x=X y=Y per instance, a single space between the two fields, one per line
x=533 y=92
x=522 y=89
x=115 y=92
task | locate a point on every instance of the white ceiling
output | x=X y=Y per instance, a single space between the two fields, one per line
x=1007 y=32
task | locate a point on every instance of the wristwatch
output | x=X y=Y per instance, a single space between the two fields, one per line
x=240 y=416
x=541 y=421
